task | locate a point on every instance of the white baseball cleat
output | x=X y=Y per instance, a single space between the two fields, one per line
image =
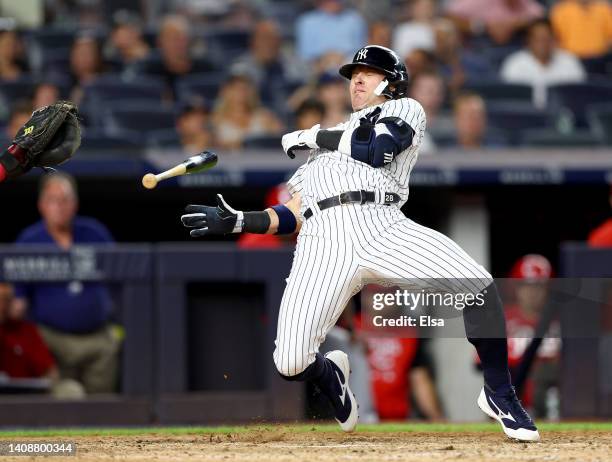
x=344 y=403
x=508 y=411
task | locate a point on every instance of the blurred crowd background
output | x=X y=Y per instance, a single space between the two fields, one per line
x=237 y=74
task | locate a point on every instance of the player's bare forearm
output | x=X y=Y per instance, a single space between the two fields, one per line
x=293 y=205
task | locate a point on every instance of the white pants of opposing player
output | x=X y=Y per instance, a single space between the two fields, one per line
x=340 y=247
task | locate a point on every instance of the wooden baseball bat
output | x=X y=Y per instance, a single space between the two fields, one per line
x=195 y=164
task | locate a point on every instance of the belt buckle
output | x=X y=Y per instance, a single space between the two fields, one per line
x=343 y=198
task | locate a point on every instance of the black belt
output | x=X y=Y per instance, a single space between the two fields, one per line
x=352 y=197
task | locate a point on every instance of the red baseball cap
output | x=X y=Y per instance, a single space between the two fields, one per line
x=533 y=267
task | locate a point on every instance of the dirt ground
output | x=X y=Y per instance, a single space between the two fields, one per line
x=285 y=445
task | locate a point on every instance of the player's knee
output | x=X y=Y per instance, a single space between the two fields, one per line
x=289 y=369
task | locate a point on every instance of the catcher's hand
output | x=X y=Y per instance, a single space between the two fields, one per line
x=50 y=137
x=206 y=220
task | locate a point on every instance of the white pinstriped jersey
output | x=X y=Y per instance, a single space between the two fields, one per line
x=329 y=173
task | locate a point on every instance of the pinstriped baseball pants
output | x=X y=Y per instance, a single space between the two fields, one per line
x=338 y=249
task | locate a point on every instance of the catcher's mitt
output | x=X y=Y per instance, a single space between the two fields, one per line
x=50 y=137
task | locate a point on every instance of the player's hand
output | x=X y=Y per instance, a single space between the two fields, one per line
x=300 y=140
x=205 y=220
x=51 y=136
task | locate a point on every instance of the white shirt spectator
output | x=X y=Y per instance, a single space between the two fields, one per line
x=412 y=35
x=523 y=67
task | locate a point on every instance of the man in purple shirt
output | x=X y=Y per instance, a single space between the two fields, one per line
x=72 y=316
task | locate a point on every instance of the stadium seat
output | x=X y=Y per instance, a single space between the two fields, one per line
x=518 y=117
x=263 y=142
x=600 y=121
x=495 y=91
x=139 y=120
x=205 y=86
x=94 y=141
x=228 y=42
x=552 y=138
x=15 y=90
x=56 y=61
x=163 y=138
x=48 y=39
x=577 y=97
x=113 y=87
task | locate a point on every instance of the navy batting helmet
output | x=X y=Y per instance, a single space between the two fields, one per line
x=386 y=61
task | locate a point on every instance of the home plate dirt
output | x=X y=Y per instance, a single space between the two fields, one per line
x=286 y=445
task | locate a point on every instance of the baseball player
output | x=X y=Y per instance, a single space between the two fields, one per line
x=51 y=136
x=345 y=204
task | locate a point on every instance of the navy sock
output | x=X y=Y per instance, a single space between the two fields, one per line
x=321 y=373
x=485 y=328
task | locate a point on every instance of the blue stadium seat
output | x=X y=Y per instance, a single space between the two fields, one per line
x=164 y=139
x=495 y=91
x=515 y=117
x=95 y=141
x=228 y=39
x=262 y=142
x=577 y=97
x=138 y=119
x=53 y=38
x=552 y=138
x=205 y=86
x=14 y=90
x=113 y=87
x=56 y=61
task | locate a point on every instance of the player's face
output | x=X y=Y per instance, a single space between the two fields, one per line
x=363 y=83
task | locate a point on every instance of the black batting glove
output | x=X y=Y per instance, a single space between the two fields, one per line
x=206 y=220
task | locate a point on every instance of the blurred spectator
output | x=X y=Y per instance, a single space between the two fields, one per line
x=85 y=64
x=12 y=62
x=277 y=195
x=238 y=113
x=379 y=33
x=72 y=317
x=330 y=27
x=419 y=60
x=380 y=10
x=531 y=295
x=499 y=19
x=470 y=121
x=44 y=94
x=20 y=114
x=126 y=44
x=428 y=89
x=24 y=354
x=541 y=64
x=418 y=32
x=331 y=91
x=584 y=28
x=176 y=60
x=456 y=64
x=310 y=113
x=192 y=126
x=602 y=235
x=270 y=68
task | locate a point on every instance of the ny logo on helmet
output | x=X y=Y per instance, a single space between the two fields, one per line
x=361 y=55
